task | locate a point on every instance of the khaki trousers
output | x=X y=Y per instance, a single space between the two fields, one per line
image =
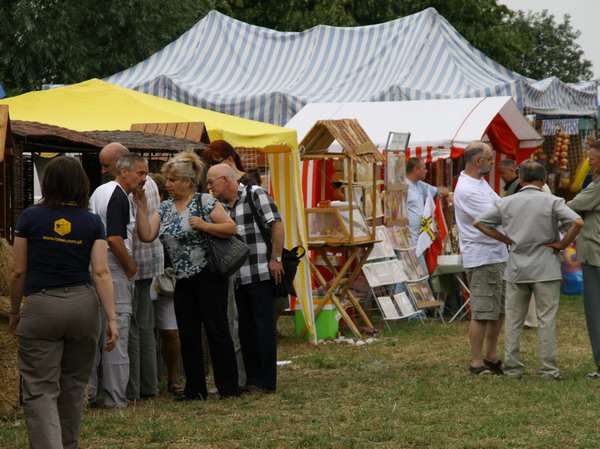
x=547 y=295
x=58 y=335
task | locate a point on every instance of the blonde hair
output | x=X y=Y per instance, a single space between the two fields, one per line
x=185 y=165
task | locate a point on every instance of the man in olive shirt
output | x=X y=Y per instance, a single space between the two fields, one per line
x=587 y=204
x=533 y=262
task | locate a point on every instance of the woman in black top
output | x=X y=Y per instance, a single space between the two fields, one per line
x=58 y=324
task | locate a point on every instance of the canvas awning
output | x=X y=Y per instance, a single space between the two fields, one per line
x=97 y=105
x=439 y=128
x=226 y=65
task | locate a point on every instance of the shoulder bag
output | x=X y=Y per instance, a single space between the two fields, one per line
x=290 y=258
x=224 y=256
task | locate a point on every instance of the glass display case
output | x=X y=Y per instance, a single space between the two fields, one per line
x=333 y=225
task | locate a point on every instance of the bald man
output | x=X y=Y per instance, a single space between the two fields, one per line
x=109 y=155
x=483 y=257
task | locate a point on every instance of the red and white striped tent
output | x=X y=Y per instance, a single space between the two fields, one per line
x=439 y=128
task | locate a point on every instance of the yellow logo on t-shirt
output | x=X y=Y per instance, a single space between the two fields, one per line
x=62 y=226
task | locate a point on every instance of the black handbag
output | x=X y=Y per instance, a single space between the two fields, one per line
x=290 y=258
x=224 y=256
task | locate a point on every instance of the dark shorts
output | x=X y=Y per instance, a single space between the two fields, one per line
x=487 y=291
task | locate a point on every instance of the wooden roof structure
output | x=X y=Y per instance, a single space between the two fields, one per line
x=49 y=138
x=194 y=131
x=353 y=139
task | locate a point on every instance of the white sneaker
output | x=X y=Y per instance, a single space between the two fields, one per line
x=594 y=375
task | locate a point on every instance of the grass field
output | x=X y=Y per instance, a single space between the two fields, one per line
x=410 y=389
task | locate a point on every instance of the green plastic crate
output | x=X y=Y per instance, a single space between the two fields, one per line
x=327 y=322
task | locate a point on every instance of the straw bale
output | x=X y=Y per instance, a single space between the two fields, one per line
x=9 y=372
x=5 y=261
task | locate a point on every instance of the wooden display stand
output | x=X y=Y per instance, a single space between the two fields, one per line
x=341 y=229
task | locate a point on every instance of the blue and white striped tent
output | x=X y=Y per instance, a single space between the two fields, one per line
x=232 y=67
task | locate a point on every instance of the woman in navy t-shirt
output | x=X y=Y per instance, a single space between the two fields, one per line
x=58 y=325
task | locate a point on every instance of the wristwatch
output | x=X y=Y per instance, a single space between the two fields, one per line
x=276 y=259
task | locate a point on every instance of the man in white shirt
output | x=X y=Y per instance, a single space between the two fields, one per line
x=483 y=257
x=111 y=201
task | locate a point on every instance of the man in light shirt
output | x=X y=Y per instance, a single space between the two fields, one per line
x=483 y=257
x=416 y=170
x=531 y=220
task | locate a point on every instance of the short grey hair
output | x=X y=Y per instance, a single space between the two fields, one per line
x=508 y=163
x=531 y=171
x=473 y=150
x=129 y=160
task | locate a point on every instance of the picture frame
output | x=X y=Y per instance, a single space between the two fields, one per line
x=395 y=169
x=415 y=292
x=422 y=295
x=371 y=275
x=387 y=307
x=384 y=273
x=397 y=141
x=404 y=304
x=398 y=273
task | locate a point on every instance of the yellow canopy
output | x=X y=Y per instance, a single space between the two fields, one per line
x=97 y=105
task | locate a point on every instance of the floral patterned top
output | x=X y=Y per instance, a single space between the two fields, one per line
x=185 y=245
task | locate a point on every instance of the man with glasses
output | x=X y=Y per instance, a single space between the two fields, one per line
x=483 y=257
x=254 y=281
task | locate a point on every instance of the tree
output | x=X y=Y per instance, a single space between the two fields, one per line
x=68 y=41
x=551 y=49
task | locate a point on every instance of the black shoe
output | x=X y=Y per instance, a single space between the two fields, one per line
x=184 y=398
x=496 y=366
x=255 y=389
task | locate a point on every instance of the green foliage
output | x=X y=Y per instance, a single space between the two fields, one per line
x=551 y=49
x=52 y=41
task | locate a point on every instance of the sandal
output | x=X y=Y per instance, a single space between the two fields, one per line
x=496 y=367
x=480 y=370
x=174 y=388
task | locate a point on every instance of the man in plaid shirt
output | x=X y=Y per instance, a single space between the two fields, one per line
x=254 y=281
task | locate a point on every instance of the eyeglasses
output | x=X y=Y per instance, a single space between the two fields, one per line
x=215 y=162
x=212 y=181
x=487 y=158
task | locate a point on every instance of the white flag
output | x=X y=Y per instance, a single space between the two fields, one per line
x=428 y=229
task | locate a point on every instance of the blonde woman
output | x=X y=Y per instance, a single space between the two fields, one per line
x=200 y=296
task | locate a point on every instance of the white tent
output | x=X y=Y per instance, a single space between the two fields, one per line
x=439 y=128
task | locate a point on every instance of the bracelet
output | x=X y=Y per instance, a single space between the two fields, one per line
x=18 y=312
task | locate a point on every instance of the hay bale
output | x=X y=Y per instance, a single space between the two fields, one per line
x=9 y=372
x=5 y=263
